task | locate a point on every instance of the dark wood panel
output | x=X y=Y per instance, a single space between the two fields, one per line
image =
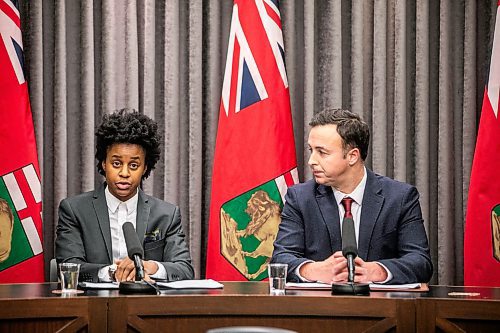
x=34 y=308
x=250 y=304
x=36 y=325
x=458 y=315
x=200 y=324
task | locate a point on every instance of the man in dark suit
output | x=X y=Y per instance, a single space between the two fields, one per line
x=392 y=243
x=89 y=230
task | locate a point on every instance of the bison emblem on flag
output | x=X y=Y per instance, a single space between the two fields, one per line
x=249 y=225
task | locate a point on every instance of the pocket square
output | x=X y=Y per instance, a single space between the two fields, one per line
x=152 y=236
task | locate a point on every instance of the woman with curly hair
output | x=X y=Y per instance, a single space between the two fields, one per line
x=89 y=230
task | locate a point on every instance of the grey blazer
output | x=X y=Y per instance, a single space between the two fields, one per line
x=83 y=234
x=391 y=228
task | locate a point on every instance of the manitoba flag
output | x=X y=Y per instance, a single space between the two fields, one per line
x=482 y=226
x=21 y=254
x=254 y=159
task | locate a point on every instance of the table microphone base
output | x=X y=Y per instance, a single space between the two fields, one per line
x=136 y=287
x=350 y=288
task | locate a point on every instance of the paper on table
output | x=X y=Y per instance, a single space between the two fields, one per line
x=395 y=286
x=192 y=284
x=183 y=284
x=308 y=285
x=326 y=286
x=99 y=285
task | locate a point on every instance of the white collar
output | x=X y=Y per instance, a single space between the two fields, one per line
x=356 y=195
x=113 y=202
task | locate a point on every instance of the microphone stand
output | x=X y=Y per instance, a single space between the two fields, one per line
x=350 y=287
x=136 y=253
x=350 y=252
x=153 y=285
x=140 y=285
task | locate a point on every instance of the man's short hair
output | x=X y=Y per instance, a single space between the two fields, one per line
x=354 y=132
x=5 y=209
x=128 y=126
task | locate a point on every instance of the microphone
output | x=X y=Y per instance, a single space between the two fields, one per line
x=349 y=247
x=136 y=253
x=134 y=249
x=350 y=252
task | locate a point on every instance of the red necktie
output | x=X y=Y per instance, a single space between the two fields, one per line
x=347 y=202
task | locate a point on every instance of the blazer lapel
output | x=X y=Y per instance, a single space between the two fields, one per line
x=101 y=211
x=143 y=210
x=372 y=205
x=330 y=213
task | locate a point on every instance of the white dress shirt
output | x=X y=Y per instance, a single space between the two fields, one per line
x=357 y=196
x=120 y=212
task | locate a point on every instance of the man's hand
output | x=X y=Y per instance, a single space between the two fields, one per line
x=330 y=270
x=367 y=272
x=125 y=270
x=334 y=270
x=150 y=267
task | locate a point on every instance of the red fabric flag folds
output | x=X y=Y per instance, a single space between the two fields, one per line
x=482 y=226
x=21 y=253
x=255 y=158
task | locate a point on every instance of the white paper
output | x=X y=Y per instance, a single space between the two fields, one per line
x=395 y=286
x=99 y=285
x=309 y=285
x=319 y=285
x=192 y=284
x=183 y=284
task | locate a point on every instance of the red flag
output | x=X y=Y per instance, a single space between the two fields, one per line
x=254 y=159
x=21 y=254
x=482 y=227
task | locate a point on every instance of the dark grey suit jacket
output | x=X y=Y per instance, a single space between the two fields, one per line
x=391 y=228
x=84 y=234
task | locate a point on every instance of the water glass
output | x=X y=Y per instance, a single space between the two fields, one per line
x=69 y=276
x=277 y=278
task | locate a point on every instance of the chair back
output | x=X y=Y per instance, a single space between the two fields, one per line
x=53 y=270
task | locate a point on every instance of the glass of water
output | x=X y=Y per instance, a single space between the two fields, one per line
x=69 y=276
x=277 y=278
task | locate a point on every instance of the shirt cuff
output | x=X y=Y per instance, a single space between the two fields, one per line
x=297 y=270
x=103 y=274
x=161 y=273
x=389 y=274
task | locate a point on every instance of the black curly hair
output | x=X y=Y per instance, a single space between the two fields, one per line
x=128 y=126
